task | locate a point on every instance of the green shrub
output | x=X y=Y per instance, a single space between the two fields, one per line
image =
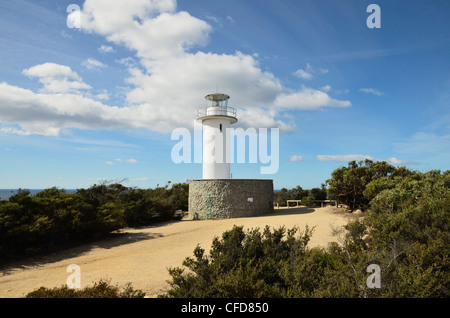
x=261 y=264
x=297 y=193
x=409 y=227
x=100 y=289
x=307 y=201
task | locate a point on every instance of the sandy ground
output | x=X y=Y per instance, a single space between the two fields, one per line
x=141 y=256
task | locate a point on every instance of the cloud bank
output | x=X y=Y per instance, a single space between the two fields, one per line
x=167 y=84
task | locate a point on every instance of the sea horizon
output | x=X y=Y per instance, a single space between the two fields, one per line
x=5 y=194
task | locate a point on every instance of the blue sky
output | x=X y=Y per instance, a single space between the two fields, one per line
x=99 y=102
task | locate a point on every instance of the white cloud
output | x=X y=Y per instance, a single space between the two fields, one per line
x=152 y=28
x=65 y=35
x=212 y=18
x=394 y=161
x=230 y=18
x=51 y=70
x=167 y=78
x=92 y=64
x=303 y=74
x=56 y=78
x=131 y=160
x=50 y=114
x=308 y=99
x=13 y=131
x=295 y=158
x=326 y=88
x=128 y=62
x=341 y=91
x=102 y=143
x=262 y=118
x=371 y=91
x=343 y=158
x=180 y=79
x=105 y=49
x=103 y=96
x=309 y=71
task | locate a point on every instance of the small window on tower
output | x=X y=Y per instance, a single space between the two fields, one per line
x=220 y=127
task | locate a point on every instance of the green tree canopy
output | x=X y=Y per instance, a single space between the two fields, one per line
x=358 y=183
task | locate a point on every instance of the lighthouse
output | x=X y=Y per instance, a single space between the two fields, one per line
x=217 y=196
x=215 y=118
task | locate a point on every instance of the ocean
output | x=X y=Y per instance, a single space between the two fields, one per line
x=6 y=193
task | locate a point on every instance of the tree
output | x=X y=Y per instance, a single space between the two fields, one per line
x=54 y=219
x=297 y=193
x=281 y=197
x=358 y=183
x=317 y=194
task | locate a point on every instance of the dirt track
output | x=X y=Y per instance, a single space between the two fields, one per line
x=141 y=256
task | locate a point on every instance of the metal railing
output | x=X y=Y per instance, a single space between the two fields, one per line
x=216 y=111
x=312 y=201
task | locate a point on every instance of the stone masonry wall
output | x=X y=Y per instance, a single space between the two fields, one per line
x=230 y=198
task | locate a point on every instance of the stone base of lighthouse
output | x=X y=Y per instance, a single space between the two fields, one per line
x=229 y=198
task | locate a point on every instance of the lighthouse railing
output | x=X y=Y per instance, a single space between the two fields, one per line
x=217 y=111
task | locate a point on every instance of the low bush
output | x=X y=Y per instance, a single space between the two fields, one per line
x=254 y=264
x=100 y=289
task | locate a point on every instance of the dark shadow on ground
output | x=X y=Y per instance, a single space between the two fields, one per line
x=292 y=211
x=305 y=209
x=286 y=211
x=111 y=241
x=276 y=212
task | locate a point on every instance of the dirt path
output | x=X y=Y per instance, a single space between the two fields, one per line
x=141 y=256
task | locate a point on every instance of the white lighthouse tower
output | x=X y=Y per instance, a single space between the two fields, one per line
x=216 y=118
x=217 y=196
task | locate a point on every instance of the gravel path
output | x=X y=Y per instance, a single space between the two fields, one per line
x=141 y=256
